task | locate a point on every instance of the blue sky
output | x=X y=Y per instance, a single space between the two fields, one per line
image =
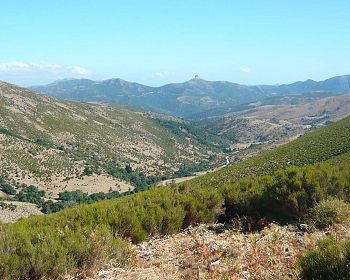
x=160 y=41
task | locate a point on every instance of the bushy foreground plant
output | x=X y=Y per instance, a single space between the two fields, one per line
x=331 y=260
x=81 y=237
x=289 y=194
x=328 y=212
x=44 y=253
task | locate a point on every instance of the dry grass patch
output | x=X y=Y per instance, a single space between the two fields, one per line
x=200 y=253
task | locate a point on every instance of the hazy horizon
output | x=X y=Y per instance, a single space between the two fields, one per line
x=202 y=78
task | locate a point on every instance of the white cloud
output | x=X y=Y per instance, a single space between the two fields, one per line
x=79 y=70
x=13 y=66
x=20 y=67
x=46 y=66
x=246 y=69
x=161 y=73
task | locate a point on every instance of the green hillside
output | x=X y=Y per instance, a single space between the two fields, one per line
x=285 y=195
x=310 y=148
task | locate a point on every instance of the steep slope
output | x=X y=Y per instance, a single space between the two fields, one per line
x=57 y=243
x=320 y=145
x=53 y=144
x=194 y=98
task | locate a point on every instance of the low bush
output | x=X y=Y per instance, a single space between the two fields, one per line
x=289 y=194
x=8 y=206
x=49 y=207
x=74 y=198
x=328 y=212
x=81 y=237
x=44 y=253
x=329 y=261
x=6 y=187
x=31 y=194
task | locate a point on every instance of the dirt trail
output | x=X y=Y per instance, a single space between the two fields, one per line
x=187 y=178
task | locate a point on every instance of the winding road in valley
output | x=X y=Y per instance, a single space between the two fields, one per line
x=196 y=174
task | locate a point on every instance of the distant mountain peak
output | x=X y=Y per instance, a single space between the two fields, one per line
x=186 y=98
x=196 y=78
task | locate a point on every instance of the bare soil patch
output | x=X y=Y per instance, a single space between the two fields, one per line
x=23 y=210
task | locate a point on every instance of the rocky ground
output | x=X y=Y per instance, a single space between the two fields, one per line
x=22 y=210
x=211 y=252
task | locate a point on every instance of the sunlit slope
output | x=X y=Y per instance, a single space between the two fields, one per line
x=43 y=139
x=320 y=145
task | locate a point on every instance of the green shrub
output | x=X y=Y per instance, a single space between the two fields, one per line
x=49 y=207
x=138 y=179
x=287 y=195
x=328 y=212
x=42 y=253
x=43 y=143
x=31 y=194
x=329 y=261
x=88 y=171
x=74 y=198
x=10 y=206
x=7 y=188
x=75 y=238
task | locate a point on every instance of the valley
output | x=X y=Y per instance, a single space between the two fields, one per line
x=64 y=146
x=159 y=180
x=174 y=140
x=60 y=145
x=292 y=183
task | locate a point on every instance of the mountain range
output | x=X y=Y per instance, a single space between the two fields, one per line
x=196 y=98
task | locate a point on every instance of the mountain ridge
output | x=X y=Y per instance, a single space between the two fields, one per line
x=188 y=98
